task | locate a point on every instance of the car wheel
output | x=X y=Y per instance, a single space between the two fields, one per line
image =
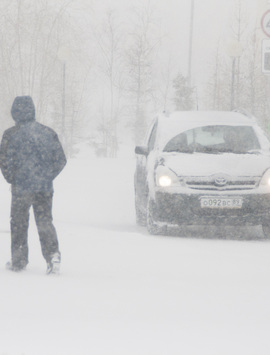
x=266 y=231
x=152 y=227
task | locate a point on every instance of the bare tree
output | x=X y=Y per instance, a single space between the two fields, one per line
x=226 y=85
x=109 y=41
x=32 y=35
x=144 y=41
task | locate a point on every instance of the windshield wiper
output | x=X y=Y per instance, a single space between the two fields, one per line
x=252 y=151
x=209 y=150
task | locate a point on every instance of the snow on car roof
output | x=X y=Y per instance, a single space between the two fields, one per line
x=180 y=121
x=191 y=118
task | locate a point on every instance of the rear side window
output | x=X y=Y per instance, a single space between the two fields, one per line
x=215 y=139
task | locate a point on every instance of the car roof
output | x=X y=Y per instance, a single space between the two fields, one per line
x=206 y=118
x=169 y=125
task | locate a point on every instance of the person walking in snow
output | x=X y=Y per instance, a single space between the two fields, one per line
x=31 y=156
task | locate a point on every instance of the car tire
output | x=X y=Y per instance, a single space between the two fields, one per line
x=152 y=227
x=266 y=231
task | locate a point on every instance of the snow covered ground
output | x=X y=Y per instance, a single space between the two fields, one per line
x=124 y=292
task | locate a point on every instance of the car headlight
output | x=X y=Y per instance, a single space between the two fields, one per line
x=265 y=181
x=164 y=181
x=165 y=177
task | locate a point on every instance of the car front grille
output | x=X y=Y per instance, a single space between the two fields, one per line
x=204 y=183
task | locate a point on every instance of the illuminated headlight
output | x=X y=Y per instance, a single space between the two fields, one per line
x=265 y=181
x=164 y=181
x=165 y=177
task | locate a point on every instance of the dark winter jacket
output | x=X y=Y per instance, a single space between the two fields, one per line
x=31 y=155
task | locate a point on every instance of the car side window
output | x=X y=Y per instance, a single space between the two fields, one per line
x=152 y=138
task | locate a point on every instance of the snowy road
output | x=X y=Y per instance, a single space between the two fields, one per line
x=125 y=292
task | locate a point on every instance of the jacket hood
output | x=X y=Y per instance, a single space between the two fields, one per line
x=23 y=109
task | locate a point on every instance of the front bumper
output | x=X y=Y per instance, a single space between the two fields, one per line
x=185 y=209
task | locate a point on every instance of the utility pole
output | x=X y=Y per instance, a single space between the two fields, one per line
x=190 y=41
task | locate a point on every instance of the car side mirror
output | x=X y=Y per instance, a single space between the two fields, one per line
x=141 y=150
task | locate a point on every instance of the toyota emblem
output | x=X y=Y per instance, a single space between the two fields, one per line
x=220 y=181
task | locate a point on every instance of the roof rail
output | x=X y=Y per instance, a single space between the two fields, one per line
x=244 y=112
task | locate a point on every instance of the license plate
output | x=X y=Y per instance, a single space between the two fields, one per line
x=210 y=202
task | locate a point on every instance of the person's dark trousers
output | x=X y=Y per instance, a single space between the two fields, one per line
x=42 y=206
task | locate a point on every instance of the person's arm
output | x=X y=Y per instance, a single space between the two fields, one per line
x=59 y=158
x=7 y=157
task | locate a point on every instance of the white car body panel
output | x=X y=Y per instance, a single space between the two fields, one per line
x=198 y=164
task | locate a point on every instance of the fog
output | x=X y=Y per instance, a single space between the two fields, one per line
x=82 y=61
x=98 y=72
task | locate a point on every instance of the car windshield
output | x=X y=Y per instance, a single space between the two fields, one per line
x=215 y=140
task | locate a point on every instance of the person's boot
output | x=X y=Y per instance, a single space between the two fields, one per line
x=53 y=266
x=16 y=268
